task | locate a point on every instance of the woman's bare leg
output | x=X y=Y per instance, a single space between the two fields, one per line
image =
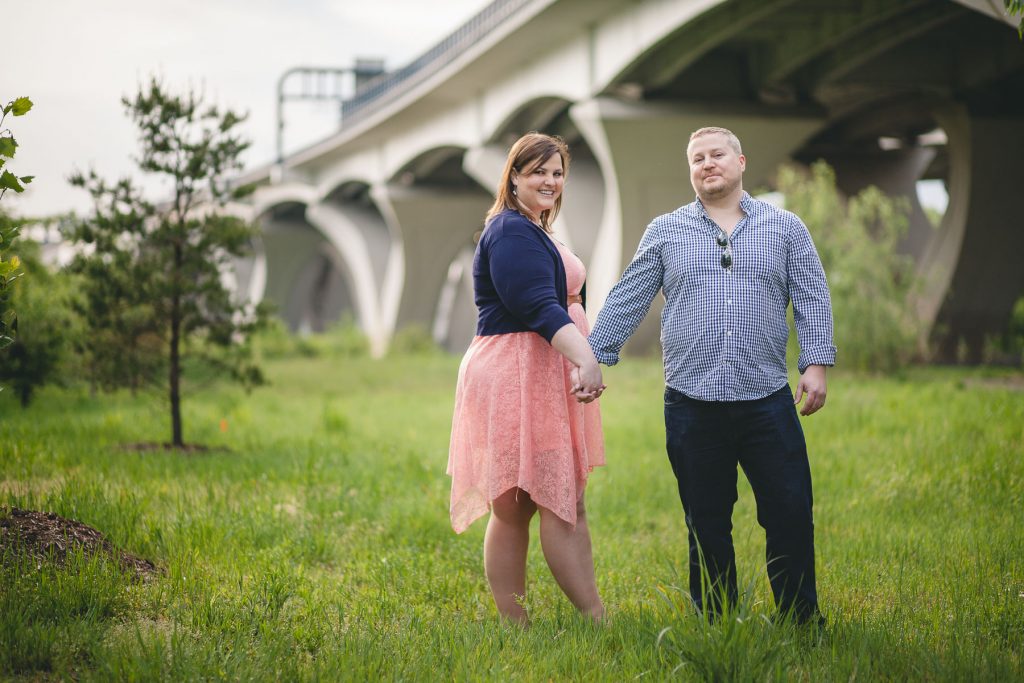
x=571 y=560
x=505 y=545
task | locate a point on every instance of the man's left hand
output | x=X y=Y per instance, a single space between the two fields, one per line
x=812 y=383
x=577 y=387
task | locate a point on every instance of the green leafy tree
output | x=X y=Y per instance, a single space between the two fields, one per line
x=872 y=284
x=9 y=270
x=153 y=274
x=48 y=332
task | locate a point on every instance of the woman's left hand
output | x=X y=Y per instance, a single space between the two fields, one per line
x=580 y=389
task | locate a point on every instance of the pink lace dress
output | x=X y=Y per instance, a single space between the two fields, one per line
x=516 y=424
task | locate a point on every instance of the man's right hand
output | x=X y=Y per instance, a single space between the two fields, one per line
x=812 y=384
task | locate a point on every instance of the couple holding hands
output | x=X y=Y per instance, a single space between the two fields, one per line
x=527 y=429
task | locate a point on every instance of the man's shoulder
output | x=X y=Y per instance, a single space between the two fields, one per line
x=686 y=213
x=770 y=211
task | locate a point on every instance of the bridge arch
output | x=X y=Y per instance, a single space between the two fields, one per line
x=306 y=278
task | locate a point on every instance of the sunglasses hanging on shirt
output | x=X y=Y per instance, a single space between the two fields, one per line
x=723 y=241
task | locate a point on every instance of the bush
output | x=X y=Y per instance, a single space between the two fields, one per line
x=48 y=328
x=275 y=340
x=343 y=340
x=1007 y=348
x=412 y=339
x=872 y=284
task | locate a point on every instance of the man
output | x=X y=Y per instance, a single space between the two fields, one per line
x=729 y=265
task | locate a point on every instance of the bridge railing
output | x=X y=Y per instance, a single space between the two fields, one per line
x=387 y=87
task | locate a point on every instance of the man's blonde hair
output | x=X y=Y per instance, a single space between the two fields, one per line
x=734 y=141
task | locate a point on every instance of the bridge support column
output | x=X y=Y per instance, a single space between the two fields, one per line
x=896 y=174
x=304 y=272
x=484 y=165
x=362 y=261
x=641 y=151
x=988 y=277
x=435 y=224
x=455 y=320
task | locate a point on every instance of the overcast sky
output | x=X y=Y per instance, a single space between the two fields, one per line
x=76 y=60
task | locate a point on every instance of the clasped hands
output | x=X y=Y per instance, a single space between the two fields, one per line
x=586 y=382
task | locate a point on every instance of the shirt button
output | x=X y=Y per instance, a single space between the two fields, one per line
x=728 y=301
x=728 y=333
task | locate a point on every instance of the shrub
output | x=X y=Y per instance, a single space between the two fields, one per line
x=48 y=329
x=412 y=339
x=342 y=340
x=871 y=282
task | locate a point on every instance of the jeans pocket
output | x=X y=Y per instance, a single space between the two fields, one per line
x=673 y=397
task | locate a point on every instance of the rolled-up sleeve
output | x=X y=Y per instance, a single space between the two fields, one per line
x=524 y=278
x=812 y=304
x=629 y=300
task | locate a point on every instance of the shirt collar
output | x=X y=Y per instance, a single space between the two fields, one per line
x=746 y=205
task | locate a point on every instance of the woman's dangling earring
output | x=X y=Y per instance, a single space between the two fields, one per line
x=514 y=193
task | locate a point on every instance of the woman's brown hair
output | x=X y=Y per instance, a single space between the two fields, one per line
x=529 y=152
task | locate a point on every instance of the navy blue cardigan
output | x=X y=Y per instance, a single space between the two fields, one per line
x=518 y=279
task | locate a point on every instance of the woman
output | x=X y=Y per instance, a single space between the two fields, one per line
x=525 y=434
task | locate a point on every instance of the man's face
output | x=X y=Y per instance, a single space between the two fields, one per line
x=716 y=169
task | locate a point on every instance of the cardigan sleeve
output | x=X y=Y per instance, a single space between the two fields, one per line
x=524 y=278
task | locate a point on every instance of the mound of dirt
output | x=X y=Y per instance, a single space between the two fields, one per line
x=48 y=537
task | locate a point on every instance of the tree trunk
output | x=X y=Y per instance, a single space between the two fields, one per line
x=174 y=371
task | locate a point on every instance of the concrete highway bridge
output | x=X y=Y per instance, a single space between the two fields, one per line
x=377 y=222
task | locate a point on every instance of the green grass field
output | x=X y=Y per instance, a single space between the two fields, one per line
x=316 y=545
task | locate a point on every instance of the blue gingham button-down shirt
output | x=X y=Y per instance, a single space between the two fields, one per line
x=723 y=330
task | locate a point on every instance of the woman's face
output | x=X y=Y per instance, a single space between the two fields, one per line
x=538 y=189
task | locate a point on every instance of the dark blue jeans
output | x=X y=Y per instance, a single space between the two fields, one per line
x=705 y=442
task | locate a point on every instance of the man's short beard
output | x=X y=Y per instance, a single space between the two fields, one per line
x=723 y=191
